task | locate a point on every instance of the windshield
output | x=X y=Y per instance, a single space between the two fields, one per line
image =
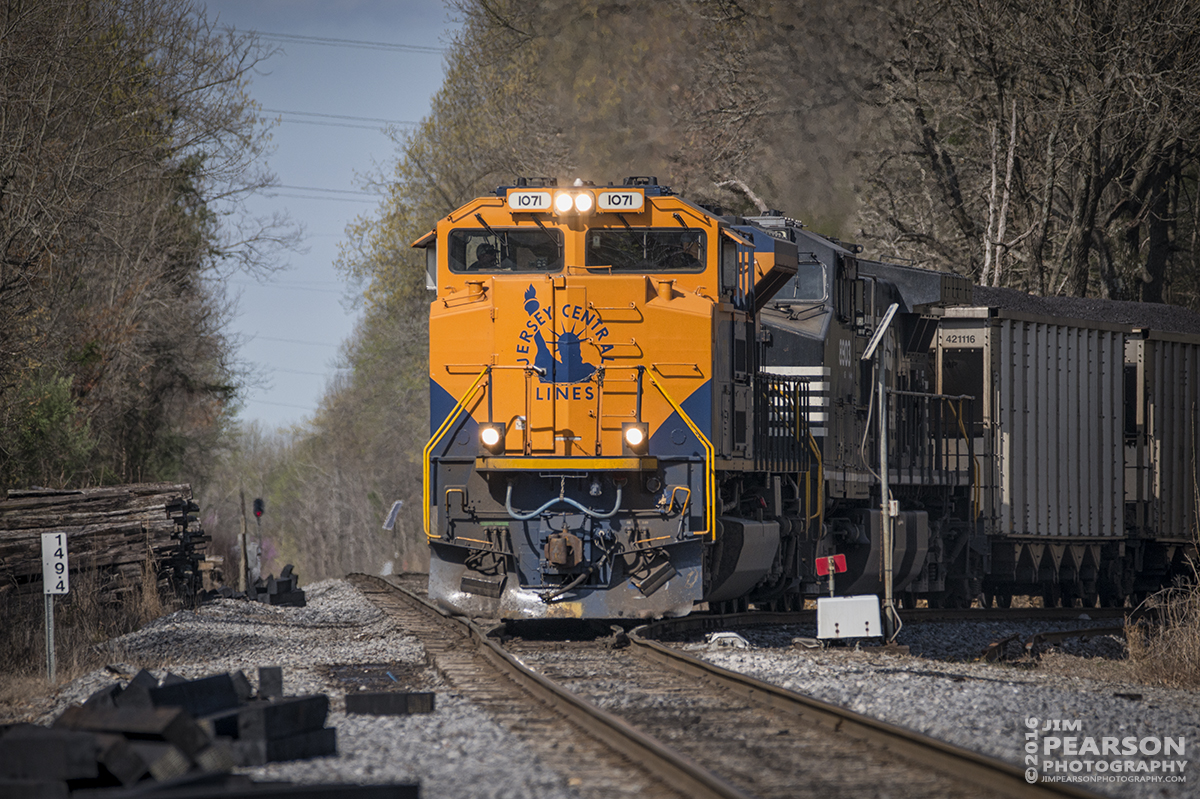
x=809 y=282
x=506 y=250
x=644 y=250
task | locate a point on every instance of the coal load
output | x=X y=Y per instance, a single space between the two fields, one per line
x=1154 y=316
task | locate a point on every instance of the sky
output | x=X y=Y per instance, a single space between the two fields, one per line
x=292 y=325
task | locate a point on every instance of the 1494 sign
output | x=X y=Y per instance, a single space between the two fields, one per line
x=55 y=575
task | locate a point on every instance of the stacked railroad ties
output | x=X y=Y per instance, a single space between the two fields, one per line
x=150 y=739
x=113 y=531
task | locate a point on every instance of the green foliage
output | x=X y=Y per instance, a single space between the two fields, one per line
x=45 y=438
x=126 y=130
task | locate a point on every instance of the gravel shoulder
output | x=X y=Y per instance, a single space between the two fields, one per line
x=455 y=751
x=944 y=690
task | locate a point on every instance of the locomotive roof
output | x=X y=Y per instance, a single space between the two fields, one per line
x=1156 y=316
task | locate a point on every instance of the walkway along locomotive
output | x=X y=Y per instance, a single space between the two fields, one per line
x=638 y=404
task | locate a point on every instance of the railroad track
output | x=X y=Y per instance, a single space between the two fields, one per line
x=649 y=716
x=604 y=762
x=705 y=622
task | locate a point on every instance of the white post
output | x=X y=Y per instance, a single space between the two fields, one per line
x=889 y=609
x=50 y=637
x=889 y=621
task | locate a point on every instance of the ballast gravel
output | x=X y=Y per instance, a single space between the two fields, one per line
x=943 y=689
x=456 y=751
x=340 y=642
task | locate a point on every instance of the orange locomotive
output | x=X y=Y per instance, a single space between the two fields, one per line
x=588 y=347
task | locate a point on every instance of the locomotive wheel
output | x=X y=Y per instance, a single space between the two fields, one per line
x=949 y=600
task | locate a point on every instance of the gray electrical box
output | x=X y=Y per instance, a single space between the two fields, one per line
x=848 y=617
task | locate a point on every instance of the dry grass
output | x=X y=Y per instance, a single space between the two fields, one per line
x=1096 y=668
x=1168 y=653
x=98 y=607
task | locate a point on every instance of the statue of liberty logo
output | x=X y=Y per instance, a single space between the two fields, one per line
x=571 y=368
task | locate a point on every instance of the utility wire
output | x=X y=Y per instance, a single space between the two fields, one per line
x=286 y=287
x=357 y=44
x=358 y=192
x=313 y=197
x=332 y=124
x=338 y=116
x=282 y=405
x=296 y=341
x=300 y=372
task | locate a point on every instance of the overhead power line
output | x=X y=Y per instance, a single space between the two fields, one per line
x=274 y=194
x=331 y=124
x=356 y=44
x=286 y=287
x=296 y=341
x=302 y=372
x=308 y=408
x=339 y=116
x=358 y=192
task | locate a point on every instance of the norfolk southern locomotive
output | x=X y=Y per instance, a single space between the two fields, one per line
x=639 y=405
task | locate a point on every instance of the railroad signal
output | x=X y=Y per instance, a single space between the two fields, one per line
x=830 y=565
x=259 y=506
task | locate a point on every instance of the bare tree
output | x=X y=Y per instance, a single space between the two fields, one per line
x=1102 y=148
x=127 y=142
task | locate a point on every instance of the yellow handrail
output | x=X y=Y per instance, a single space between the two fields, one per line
x=976 y=490
x=812 y=442
x=710 y=462
x=437 y=436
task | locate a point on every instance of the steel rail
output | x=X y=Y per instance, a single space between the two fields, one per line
x=679 y=771
x=984 y=771
x=705 y=622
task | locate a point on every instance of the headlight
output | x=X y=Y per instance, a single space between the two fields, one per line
x=568 y=202
x=634 y=437
x=491 y=436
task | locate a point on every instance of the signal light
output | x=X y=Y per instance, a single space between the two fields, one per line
x=259 y=506
x=635 y=437
x=491 y=437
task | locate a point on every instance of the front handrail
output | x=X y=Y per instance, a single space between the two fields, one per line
x=710 y=461
x=433 y=442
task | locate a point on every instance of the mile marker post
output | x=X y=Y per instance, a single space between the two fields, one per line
x=56 y=579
